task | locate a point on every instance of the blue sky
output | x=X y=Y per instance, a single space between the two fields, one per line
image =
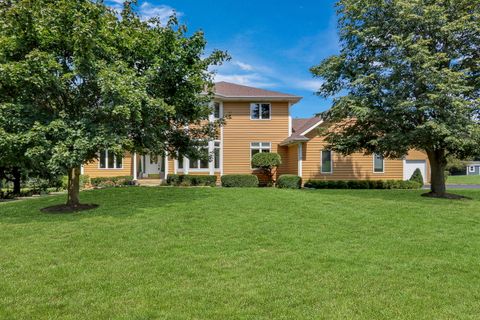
x=272 y=43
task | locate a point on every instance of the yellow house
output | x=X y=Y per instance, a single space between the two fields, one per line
x=260 y=121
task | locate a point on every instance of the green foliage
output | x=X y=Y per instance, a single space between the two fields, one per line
x=191 y=180
x=410 y=70
x=289 y=181
x=362 y=184
x=417 y=176
x=456 y=166
x=267 y=162
x=108 y=182
x=239 y=181
x=84 y=181
x=76 y=78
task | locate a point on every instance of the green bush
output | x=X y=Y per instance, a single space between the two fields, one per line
x=107 y=182
x=289 y=181
x=362 y=184
x=186 y=180
x=240 y=181
x=267 y=162
x=417 y=176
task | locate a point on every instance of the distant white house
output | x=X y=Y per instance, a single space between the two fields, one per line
x=473 y=168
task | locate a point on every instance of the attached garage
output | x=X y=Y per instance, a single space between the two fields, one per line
x=409 y=167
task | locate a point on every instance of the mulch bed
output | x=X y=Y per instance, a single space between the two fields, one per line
x=450 y=196
x=61 y=208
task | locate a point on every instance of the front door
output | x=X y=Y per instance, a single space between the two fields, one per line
x=153 y=167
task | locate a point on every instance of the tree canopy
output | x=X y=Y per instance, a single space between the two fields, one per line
x=408 y=75
x=82 y=78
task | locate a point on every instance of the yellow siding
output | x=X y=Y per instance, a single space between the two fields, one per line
x=92 y=169
x=240 y=131
x=352 y=167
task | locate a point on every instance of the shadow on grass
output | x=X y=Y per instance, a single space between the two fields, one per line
x=115 y=202
x=405 y=196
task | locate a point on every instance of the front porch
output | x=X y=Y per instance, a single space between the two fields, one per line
x=149 y=169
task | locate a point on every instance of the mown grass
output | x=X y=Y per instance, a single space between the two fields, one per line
x=463 y=180
x=212 y=253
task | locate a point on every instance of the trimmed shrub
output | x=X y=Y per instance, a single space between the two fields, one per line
x=362 y=184
x=108 y=182
x=240 y=181
x=289 y=181
x=186 y=180
x=267 y=162
x=417 y=176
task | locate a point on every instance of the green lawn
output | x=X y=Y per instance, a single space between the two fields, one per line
x=463 y=180
x=212 y=253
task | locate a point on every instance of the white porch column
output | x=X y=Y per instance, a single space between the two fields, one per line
x=211 y=163
x=166 y=166
x=186 y=165
x=135 y=166
x=300 y=159
x=82 y=169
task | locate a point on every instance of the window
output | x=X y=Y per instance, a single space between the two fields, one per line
x=180 y=163
x=108 y=160
x=260 y=111
x=378 y=163
x=201 y=163
x=259 y=147
x=216 y=110
x=216 y=155
x=471 y=169
x=327 y=161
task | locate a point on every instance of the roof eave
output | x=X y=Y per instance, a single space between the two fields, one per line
x=292 y=99
x=294 y=141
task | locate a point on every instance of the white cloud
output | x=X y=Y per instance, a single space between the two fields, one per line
x=252 y=80
x=147 y=10
x=163 y=12
x=243 y=66
x=309 y=85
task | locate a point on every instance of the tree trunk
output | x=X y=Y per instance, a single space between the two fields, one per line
x=438 y=163
x=73 y=188
x=17 y=178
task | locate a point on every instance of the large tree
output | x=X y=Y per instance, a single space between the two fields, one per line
x=91 y=79
x=408 y=76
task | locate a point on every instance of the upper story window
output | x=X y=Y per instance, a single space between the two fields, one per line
x=108 y=160
x=260 y=111
x=217 y=112
x=327 y=166
x=378 y=163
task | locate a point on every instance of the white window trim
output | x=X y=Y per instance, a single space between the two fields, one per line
x=212 y=116
x=260 y=114
x=186 y=162
x=331 y=162
x=373 y=164
x=471 y=169
x=106 y=161
x=259 y=148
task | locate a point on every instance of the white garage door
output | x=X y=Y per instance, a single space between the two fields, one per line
x=411 y=165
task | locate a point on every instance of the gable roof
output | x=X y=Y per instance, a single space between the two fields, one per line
x=231 y=91
x=300 y=128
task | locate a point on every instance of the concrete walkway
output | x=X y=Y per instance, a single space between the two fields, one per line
x=463 y=186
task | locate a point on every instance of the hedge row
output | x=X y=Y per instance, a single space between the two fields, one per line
x=362 y=184
x=109 y=182
x=289 y=181
x=240 y=181
x=187 y=180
